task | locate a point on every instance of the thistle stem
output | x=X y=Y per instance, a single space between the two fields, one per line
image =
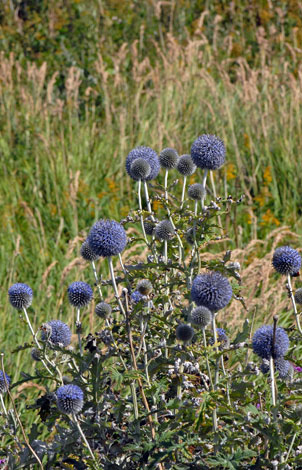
x=79 y=330
x=272 y=373
x=291 y=294
x=183 y=192
x=166 y=185
x=115 y=286
x=291 y=445
x=139 y=194
x=75 y=419
x=204 y=180
x=97 y=279
x=216 y=371
x=148 y=201
x=3 y=405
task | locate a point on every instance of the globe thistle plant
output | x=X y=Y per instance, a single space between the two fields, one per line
x=201 y=317
x=286 y=260
x=4 y=384
x=196 y=191
x=282 y=366
x=103 y=310
x=57 y=332
x=168 y=158
x=149 y=227
x=262 y=342
x=184 y=333
x=87 y=253
x=208 y=152
x=79 y=294
x=70 y=399
x=146 y=153
x=144 y=287
x=211 y=290
x=136 y=297
x=186 y=167
x=164 y=230
x=107 y=238
x=140 y=169
x=20 y=296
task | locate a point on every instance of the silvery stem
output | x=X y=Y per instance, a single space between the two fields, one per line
x=3 y=405
x=183 y=192
x=291 y=445
x=204 y=180
x=84 y=437
x=148 y=201
x=166 y=185
x=115 y=286
x=96 y=279
x=78 y=328
x=273 y=384
x=290 y=291
x=139 y=194
x=165 y=251
x=181 y=370
x=216 y=370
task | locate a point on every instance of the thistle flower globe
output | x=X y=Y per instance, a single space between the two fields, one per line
x=201 y=316
x=164 y=230
x=222 y=338
x=262 y=342
x=140 y=169
x=70 y=399
x=79 y=294
x=185 y=165
x=103 y=310
x=147 y=154
x=149 y=227
x=36 y=354
x=20 y=296
x=136 y=297
x=4 y=384
x=168 y=158
x=107 y=238
x=282 y=366
x=298 y=296
x=196 y=191
x=211 y=290
x=286 y=260
x=57 y=332
x=184 y=333
x=87 y=253
x=144 y=287
x=208 y=152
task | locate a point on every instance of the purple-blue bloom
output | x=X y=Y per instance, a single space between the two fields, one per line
x=147 y=154
x=3 y=385
x=208 y=152
x=286 y=260
x=184 y=333
x=262 y=342
x=20 y=295
x=87 y=253
x=107 y=238
x=79 y=294
x=136 y=297
x=57 y=332
x=211 y=290
x=70 y=399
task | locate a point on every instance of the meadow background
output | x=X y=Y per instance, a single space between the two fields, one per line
x=82 y=82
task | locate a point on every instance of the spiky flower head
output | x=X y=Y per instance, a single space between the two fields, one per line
x=262 y=342
x=144 y=287
x=185 y=165
x=282 y=366
x=286 y=260
x=107 y=238
x=136 y=297
x=103 y=310
x=57 y=332
x=149 y=227
x=168 y=158
x=87 y=253
x=70 y=399
x=298 y=296
x=36 y=354
x=222 y=338
x=208 y=152
x=201 y=316
x=211 y=290
x=4 y=384
x=196 y=191
x=79 y=294
x=147 y=154
x=140 y=169
x=20 y=295
x=184 y=333
x=164 y=230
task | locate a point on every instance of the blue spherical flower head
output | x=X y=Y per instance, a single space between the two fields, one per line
x=136 y=297
x=208 y=152
x=147 y=154
x=211 y=290
x=286 y=260
x=262 y=342
x=107 y=238
x=4 y=384
x=20 y=296
x=57 y=332
x=70 y=399
x=79 y=294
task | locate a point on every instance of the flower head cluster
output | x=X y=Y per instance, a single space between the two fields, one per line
x=262 y=342
x=184 y=333
x=57 y=332
x=168 y=158
x=103 y=310
x=282 y=366
x=4 y=384
x=196 y=191
x=286 y=260
x=79 y=294
x=144 y=287
x=208 y=152
x=20 y=295
x=87 y=253
x=149 y=227
x=164 y=230
x=201 y=316
x=70 y=399
x=147 y=154
x=211 y=290
x=136 y=297
x=140 y=169
x=107 y=238
x=185 y=165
